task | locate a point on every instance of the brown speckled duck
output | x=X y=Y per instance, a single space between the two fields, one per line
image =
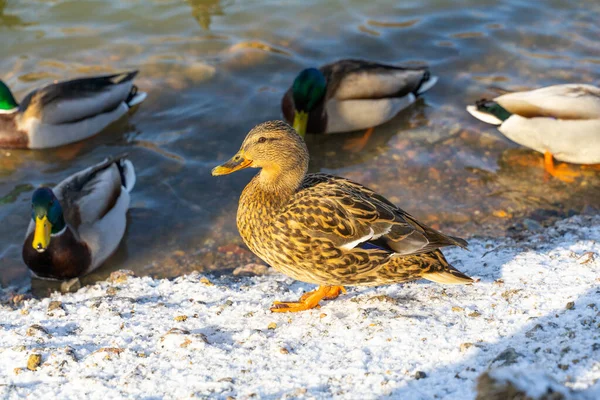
x=327 y=230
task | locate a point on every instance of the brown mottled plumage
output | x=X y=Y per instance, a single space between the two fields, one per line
x=315 y=227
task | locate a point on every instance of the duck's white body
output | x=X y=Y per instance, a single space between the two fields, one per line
x=366 y=99
x=70 y=111
x=563 y=120
x=94 y=203
x=361 y=94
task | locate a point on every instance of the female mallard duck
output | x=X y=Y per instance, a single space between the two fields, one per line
x=327 y=230
x=561 y=121
x=77 y=225
x=350 y=95
x=65 y=112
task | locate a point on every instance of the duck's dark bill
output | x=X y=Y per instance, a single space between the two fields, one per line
x=236 y=163
x=41 y=236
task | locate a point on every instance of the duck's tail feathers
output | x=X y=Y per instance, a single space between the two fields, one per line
x=489 y=112
x=427 y=82
x=127 y=174
x=125 y=76
x=441 y=271
x=135 y=97
x=448 y=276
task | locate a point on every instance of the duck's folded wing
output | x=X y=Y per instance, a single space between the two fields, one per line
x=570 y=101
x=359 y=79
x=352 y=216
x=75 y=100
x=90 y=194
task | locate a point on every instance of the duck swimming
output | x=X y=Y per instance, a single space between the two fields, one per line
x=350 y=95
x=560 y=121
x=77 y=225
x=65 y=112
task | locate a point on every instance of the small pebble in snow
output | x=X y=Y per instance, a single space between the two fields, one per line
x=323 y=315
x=55 y=308
x=34 y=361
x=465 y=346
x=181 y=318
x=111 y=291
x=420 y=375
x=36 y=329
x=283 y=350
x=70 y=286
x=564 y=367
x=120 y=276
x=457 y=309
x=508 y=357
x=570 y=305
x=475 y=314
x=272 y=325
x=205 y=281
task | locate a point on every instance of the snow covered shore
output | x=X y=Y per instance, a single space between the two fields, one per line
x=534 y=312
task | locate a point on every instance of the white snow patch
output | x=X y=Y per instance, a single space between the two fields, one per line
x=366 y=344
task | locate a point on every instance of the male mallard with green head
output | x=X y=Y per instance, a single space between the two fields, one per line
x=77 y=225
x=65 y=112
x=326 y=230
x=351 y=95
x=561 y=121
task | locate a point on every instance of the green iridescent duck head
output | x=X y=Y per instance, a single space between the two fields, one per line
x=7 y=100
x=308 y=90
x=47 y=214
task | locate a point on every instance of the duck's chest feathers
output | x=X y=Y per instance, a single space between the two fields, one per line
x=65 y=257
x=10 y=135
x=256 y=214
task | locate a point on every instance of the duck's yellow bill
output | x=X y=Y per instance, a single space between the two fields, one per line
x=236 y=163
x=41 y=236
x=301 y=122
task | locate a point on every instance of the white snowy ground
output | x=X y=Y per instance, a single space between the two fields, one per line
x=114 y=340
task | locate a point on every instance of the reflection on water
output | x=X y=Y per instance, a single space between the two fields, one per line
x=204 y=10
x=213 y=69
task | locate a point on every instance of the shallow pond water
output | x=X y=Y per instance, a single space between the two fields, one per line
x=213 y=69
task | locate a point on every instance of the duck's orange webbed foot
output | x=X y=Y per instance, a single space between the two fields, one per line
x=309 y=300
x=561 y=172
x=357 y=144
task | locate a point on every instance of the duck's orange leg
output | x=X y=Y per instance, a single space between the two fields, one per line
x=309 y=300
x=357 y=144
x=562 y=172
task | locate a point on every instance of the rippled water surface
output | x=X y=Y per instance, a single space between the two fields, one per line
x=213 y=69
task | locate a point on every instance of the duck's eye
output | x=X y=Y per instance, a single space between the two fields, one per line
x=262 y=139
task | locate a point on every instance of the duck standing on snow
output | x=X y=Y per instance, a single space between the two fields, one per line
x=350 y=95
x=327 y=230
x=77 y=225
x=65 y=112
x=561 y=121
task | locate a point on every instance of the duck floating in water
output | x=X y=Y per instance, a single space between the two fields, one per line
x=561 y=121
x=351 y=95
x=77 y=225
x=65 y=112
x=327 y=230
